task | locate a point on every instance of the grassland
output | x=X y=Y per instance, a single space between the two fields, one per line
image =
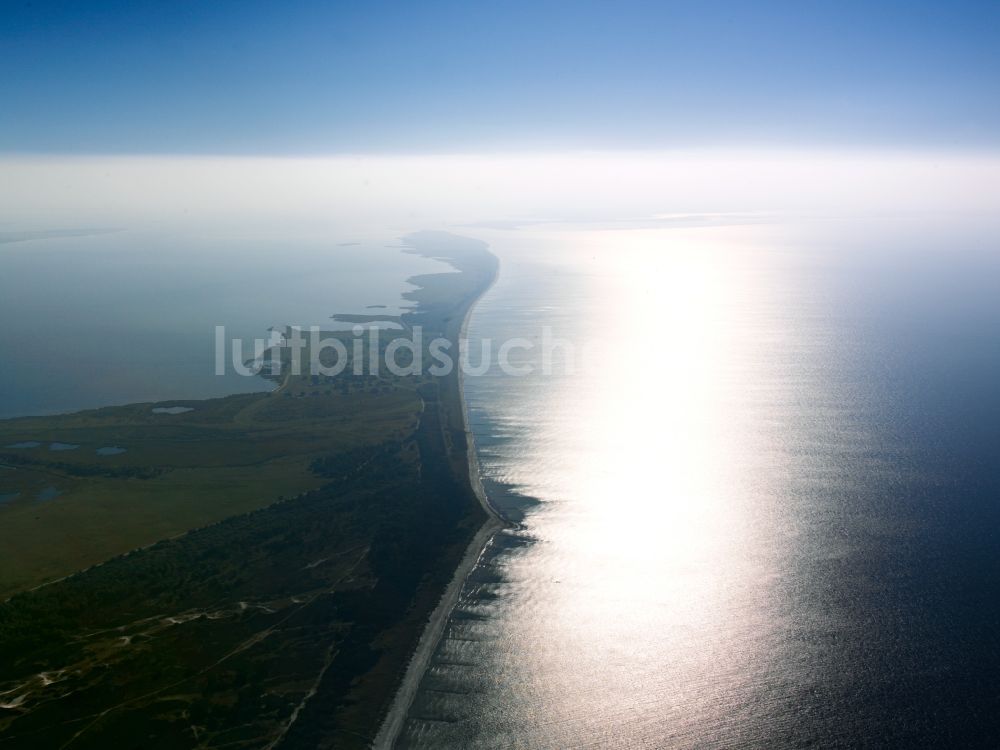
x=178 y=471
x=260 y=566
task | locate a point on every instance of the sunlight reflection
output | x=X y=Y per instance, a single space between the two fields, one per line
x=661 y=444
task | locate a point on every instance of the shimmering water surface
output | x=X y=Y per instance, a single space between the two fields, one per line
x=764 y=513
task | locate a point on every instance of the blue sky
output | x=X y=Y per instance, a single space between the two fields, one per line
x=331 y=77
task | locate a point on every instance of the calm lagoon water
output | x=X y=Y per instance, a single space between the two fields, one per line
x=130 y=316
x=767 y=515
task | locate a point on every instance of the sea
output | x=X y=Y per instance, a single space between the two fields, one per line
x=763 y=511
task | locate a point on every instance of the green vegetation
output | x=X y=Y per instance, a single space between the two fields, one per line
x=179 y=471
x=273 y=557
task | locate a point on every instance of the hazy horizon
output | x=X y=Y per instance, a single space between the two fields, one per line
x=420 y=191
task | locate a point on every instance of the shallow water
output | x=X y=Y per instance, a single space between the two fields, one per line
x=48 y=493
x=130 y=316
x=110 y=450
x=764 y=516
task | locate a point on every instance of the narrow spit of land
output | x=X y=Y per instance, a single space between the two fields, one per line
x=254 y=572
x=410 y=684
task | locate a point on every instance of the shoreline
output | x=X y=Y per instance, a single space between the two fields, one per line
x=406 y=692
x=475 y=480
x=392 y=724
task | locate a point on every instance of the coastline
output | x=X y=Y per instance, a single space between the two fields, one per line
x=475 y=480
x=392 y=725
x=395 y=718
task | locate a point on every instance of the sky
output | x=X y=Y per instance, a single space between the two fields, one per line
x=310 y=77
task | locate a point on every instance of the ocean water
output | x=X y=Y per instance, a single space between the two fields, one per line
x=764 y=512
